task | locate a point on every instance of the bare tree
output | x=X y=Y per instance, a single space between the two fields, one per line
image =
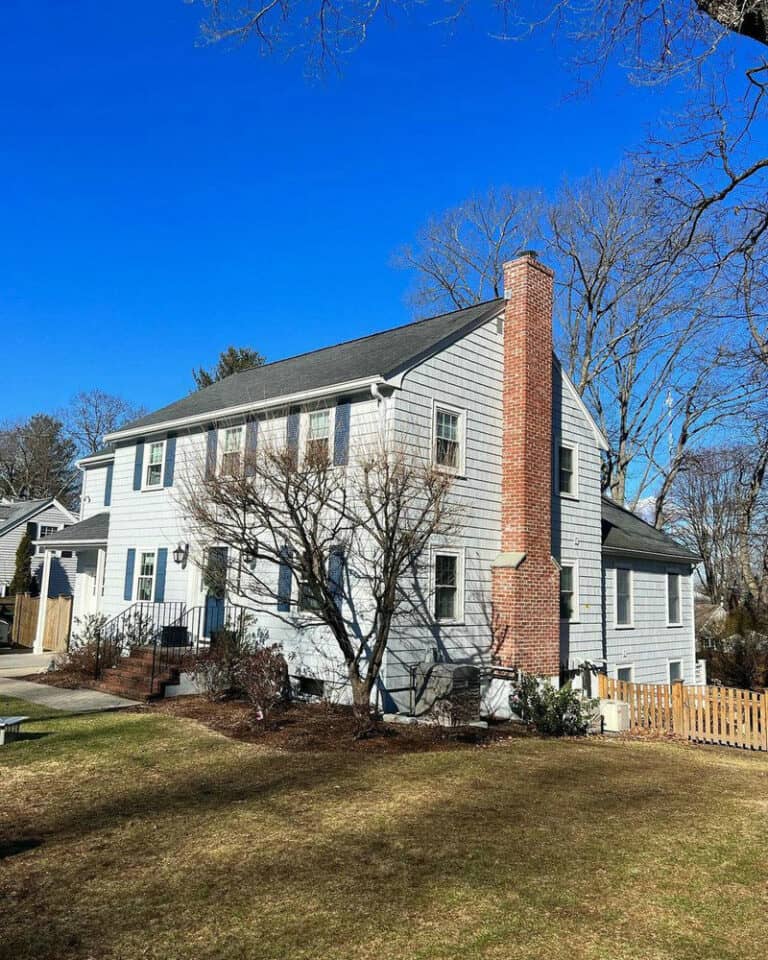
x=92 y=414
x=320 y=545
x=634 y=328
x=719 y=506
x=37 y=460
x=458 y=257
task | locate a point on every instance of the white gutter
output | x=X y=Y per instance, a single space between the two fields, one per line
x=85 y=462
x=54 y=543
x=252 y=405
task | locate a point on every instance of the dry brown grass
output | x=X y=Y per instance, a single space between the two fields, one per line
x=149 y=836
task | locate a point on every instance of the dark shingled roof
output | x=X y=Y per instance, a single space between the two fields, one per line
x=624 y=533
x=12 y=514
x=94 y=528
x=380 y=354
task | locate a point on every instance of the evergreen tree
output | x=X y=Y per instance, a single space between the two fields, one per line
x=232 y=360
x=22 y=577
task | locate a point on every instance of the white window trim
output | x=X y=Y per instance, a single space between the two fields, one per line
x=667 y=575
x=461 y=469
x=137 y=575
x=304 y=429
x=574 y=564
x=669 y=668
x=626 y=666
x=40 y=548
x=447 y=551
x=616 y=624
x=220 y=451
x=145 y=466
x=574 y=448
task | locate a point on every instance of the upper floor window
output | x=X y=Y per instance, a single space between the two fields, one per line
x=623 y=597
x=566 y=476
x=145 y=579
x=569 y=601
x=449 y=439
x=318 y=444
x=674 y=613
x=42 y=532
x=447 y=574
x=153 y=474
x=232 y=449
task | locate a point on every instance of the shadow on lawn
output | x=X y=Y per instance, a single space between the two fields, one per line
x=502 y=820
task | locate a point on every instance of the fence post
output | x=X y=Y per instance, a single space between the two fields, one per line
x=678 y=709
x=16 y=619
x=601 y=686
x=764 y=718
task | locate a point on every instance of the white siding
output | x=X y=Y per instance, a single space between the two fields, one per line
x=577 y=525
x=93 y=490
x=466 y=375
x=649 y=644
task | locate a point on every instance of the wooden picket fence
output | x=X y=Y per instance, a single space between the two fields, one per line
x=721 y=715
x=57 y=622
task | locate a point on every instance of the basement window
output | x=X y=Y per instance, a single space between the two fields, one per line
x=311 y=687
x=625 y=674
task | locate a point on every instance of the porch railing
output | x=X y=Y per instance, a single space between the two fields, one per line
x=177 y=643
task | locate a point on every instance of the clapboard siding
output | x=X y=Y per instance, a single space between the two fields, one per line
x=93 y=490
x=577 y=524
x=649 y=644
x=468 y=376
x=64 y=571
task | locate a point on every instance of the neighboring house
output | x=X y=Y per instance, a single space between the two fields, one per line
x=543 y=572
x=40 y=518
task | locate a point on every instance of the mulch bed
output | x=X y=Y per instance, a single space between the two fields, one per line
x=68 y=679
x=325 y=728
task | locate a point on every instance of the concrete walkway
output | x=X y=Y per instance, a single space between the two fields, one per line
x=23 y=664
x=74 y=701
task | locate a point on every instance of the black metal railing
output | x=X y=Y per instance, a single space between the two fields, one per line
x=139 y=625
x=176 y=643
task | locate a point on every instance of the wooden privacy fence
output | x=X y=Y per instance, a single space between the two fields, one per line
x=57 y=622
x=723 y=715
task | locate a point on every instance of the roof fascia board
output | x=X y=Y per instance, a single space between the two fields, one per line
x=86 y=462
x=602 y=440
x=650 y=554
x=25 y=518
x=332 y=389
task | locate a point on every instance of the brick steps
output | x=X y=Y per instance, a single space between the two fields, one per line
x=132 y=677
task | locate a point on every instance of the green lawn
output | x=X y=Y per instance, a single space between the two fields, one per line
x=145 y=836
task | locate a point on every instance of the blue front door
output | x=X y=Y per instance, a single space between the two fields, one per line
x=215 y=585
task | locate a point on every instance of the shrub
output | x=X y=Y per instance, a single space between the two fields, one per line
x=23 y=581
x=84 y=654
x=739 y=662
x=551 y=712
x=215 y=672
x=262 y=676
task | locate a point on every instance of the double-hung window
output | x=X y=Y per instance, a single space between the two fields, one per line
x=449 y=439
x=675 y=670
x=625 y=674
x=674 y=615
x=232 y=450
x=153 y=473
x=624 y=614
x=145 y=578
x=318 y=446
x=569 y=597
x=44 y=531
x=447 y=574
x=567 y=478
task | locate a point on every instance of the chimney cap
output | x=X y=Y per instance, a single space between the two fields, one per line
x=533 y=254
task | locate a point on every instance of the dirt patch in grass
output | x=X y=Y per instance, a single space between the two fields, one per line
x=326 y=728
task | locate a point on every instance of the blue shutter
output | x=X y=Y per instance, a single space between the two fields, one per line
x=336 y=574
x=251 y=441
x=292 y=430
x=130 y=563
x=284 y=584
x=138 y=465
x=210 y=455
x=162 y=563
x=108 y=485
x=341 y=433
x=170 y=460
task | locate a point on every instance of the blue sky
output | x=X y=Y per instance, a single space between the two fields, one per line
x=162 y=200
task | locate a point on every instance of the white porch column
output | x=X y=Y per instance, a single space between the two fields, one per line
x=42 y=610
x=101 y=559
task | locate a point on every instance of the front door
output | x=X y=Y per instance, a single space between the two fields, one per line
x=215 y=587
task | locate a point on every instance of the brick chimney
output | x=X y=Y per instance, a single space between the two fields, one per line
x=526 y=580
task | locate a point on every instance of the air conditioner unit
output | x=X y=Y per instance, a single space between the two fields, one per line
x=615 y=714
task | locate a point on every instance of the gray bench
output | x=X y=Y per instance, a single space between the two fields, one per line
x=10 y=728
